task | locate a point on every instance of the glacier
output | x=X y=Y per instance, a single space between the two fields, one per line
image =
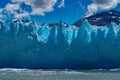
x=26 y=44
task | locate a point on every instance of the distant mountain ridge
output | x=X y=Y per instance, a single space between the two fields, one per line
x=101 y=19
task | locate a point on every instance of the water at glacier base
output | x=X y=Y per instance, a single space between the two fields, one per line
x=38 y=74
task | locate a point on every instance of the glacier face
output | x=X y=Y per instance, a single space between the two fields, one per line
x=26 y=44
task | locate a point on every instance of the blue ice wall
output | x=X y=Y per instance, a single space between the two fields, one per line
x=30 y=45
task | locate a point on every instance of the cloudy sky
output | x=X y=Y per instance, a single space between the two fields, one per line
x=50 y=11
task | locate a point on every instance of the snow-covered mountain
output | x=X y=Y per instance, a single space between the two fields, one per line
x=101 y=19
x=26 y=44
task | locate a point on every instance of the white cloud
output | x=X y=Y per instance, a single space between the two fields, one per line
x=91 y=9
x=21 y=1
x=1 y=10
x=1 y=15
x=24 y=14
x=39 y=7
x=15 y=10
x=12 y=7
x=101 y=5
x=62 y=4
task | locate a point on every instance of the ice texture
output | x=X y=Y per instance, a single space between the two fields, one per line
x=26 y=44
